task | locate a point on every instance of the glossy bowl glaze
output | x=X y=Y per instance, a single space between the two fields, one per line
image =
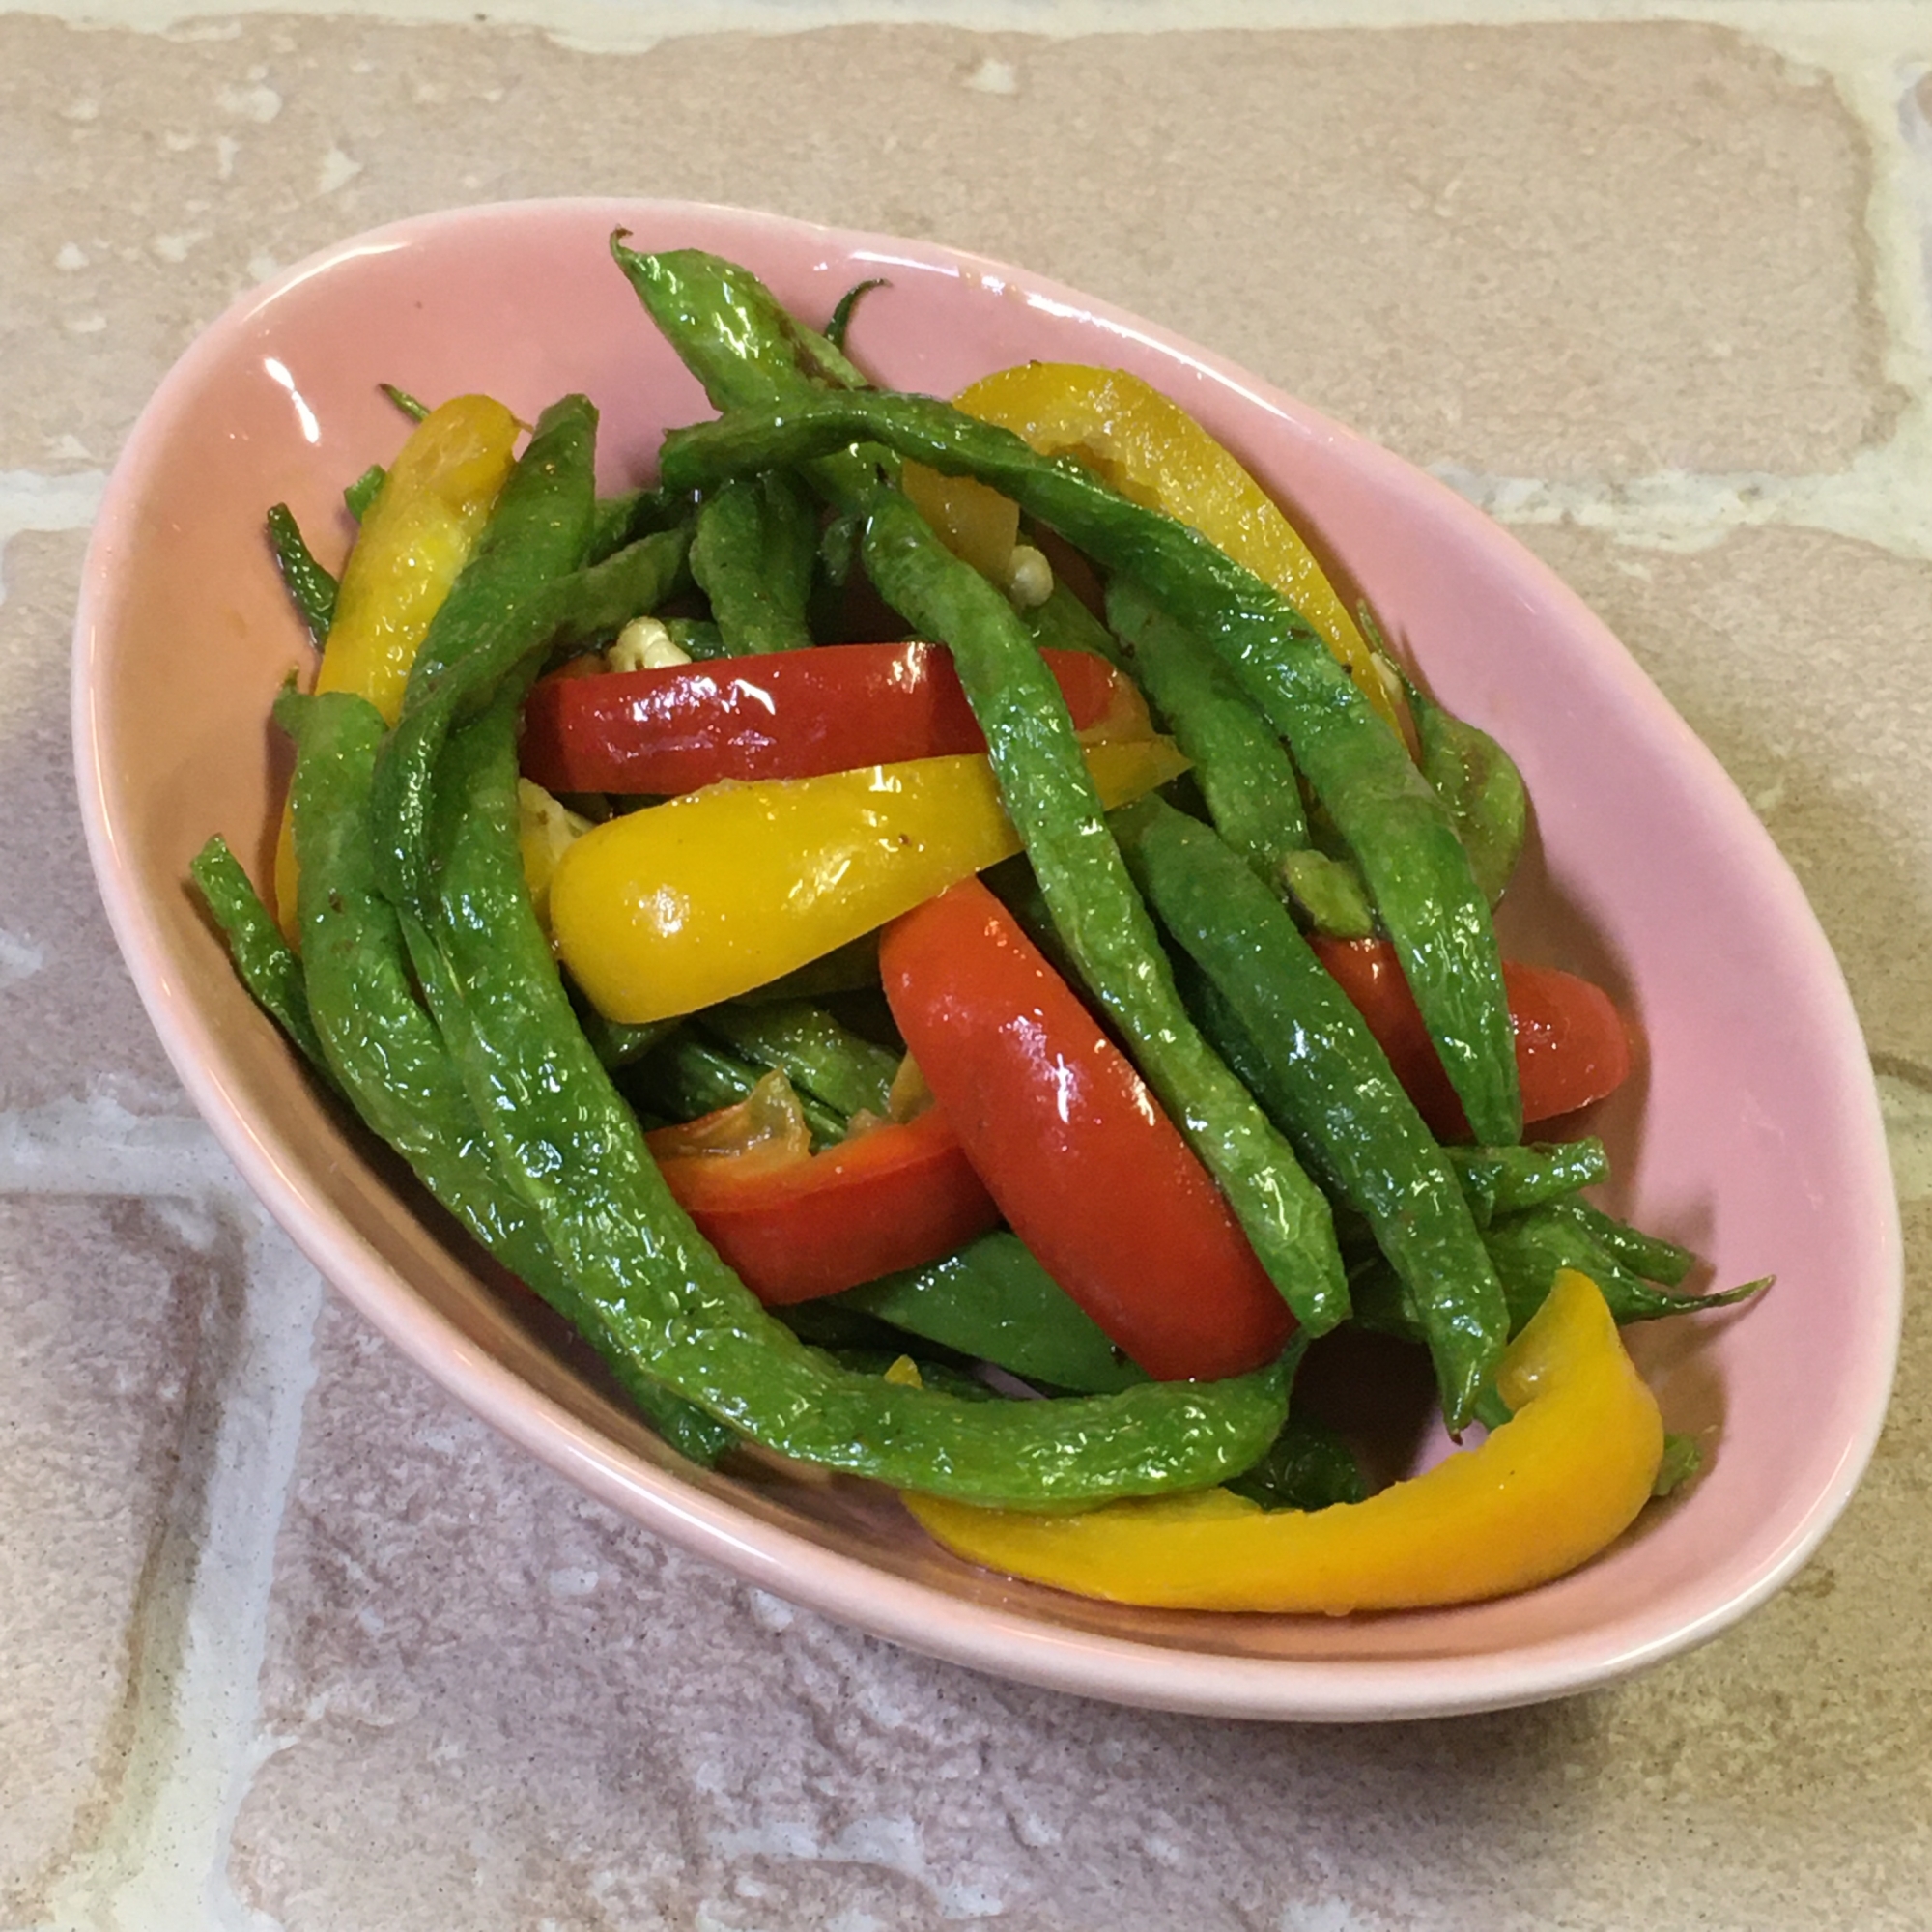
x=1752 y=1130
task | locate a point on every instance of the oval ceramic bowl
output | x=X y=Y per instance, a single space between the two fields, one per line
x=1752 y=1131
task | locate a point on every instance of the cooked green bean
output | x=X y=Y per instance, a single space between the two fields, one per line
x=756 y=543
x=364 y=491
x=1398 y=831
x=1505 y=1181
x=387 y=1052
x=1315 y=1068
x=1479 y=784
x=571 y=1148
x=842 y=316
x=1649 y=1256
x=992 y=1301
x=404 y=401
x=1051 y=799
x=1245 y=775
x=263 y=961
x=520 y=593
x=1527 y=1250
x=309 y=585
x=1310 y=1467
x=819 y=1056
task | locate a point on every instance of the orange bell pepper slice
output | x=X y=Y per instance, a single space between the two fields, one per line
x=1547 y=1492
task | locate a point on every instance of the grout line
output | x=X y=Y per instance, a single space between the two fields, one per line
x=97 y=1146
x=635 y=26
x=32 y=502
x=1906 y=1104
x=1884 y=496
x=159 y=1862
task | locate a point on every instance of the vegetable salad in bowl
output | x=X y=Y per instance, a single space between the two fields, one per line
x=940 y=941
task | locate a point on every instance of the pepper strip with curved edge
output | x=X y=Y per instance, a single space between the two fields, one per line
x=415 y=540
x=798 y=1226
x=1087 y=1169
x=387 y=1052
x=1151 y=450
x=1396 y=828
x=1328 y=1086
x=409 y=551
x=713 y=895
x=1112 y=942
x=573 y=1149
x=1547 y=1492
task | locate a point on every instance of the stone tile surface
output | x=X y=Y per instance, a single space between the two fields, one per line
x=1552 y=250
x=520 y=1711
x=1575 y=253
x=1801 y=659
x=69 y=1015
x=100 y=1306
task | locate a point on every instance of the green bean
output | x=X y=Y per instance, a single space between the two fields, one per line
x=1505 y=1181
x=539 y=528
x=685 y=1077
x=520 y=593
x=404 y=401
x=364 y=491
x=1649 y=1256
x=1319 y=1073
x=1310 y=1467
x=1048 y=794
x=263 y=961
x=820 y=1057
x=734 y=335
x=1398 y=831
x=619 y=521
x=1527 y=1250
x=1479 y=784
x=1242 y=768
x=309 y=585
x=730 y=331
x=757 y=541
x=842 y=316
x=1245 y=775
x=1063 y=623
x=387 y=1054
x=992 y=1301
x=571 y=1148
x=617 y=1043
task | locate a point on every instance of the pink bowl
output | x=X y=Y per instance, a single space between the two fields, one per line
x=1752 y=1131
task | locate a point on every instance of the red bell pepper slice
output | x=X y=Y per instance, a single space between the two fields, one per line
x=1571 y=1047
x=1086 y=1166
x=789 y=715
x=797 y=1227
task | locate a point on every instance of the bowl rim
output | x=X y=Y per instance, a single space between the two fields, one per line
x=764 y=1552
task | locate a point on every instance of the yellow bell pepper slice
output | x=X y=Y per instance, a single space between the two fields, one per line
x=681 y=906
x=1543 y=1493
x=1154 y=453
x=416 y=537
x=420 y=531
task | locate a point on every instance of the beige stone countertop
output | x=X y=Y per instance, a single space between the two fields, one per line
x=287 y=1641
